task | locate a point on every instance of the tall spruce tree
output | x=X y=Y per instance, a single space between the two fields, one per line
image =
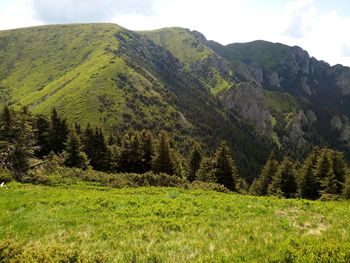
x=194 y=163
x=42 y=136
x=261 y=184
x=308 y=186
x=205 y=172
x=75 y=157
x=339 y=169
x=58 y=133
x=23 y=144
x=163 y=163
x=284 y=181
x=147 y=150
x=224 y=167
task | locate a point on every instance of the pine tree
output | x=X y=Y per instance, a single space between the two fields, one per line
x=58 y=133
x=340 y=169
x=23 y=143
x=42 y=136
x=346 y=188
x=308 y=186
x=7 y=123
x=163 y=162
x=260 y=185
x=205 y=173
x=224 y=167
x=322 y=168
x=194 y=163
x=75 y=155
x=101 y=155
x=130 y=159
x=146 y=150
x=284 y=182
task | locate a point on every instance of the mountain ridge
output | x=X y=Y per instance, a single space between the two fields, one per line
x=256 y=95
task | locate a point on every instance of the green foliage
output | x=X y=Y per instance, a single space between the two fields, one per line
x=42 y=136
x=205 y=172
x=284 y=183
x=307 y=181
x=260 y=185
x=163 y=161
x=209 y=186
x=5 y=175
x=58 y=133
x=148 y=223
x=346 y=190
x=75 y=157
x=225 y=170
x=194 y=163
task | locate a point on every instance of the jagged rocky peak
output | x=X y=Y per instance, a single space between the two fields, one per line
x=248 y=101
x=198 y=35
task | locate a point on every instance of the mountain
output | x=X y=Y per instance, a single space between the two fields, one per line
x=297 y=100
x=259 y=96
x=106 y=75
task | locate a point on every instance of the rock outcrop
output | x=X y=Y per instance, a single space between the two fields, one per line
x=248 y=102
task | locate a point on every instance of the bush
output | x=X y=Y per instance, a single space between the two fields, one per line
x=10 y=251
x=5 y=175
x=208 y=186
x=346 y=189
x=308 y=250
x=146 y=179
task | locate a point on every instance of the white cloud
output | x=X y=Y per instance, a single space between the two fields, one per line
x=18 y=14
x=300 y=15
x=70 y=11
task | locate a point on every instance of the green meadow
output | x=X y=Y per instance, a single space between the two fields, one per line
x=85 y=222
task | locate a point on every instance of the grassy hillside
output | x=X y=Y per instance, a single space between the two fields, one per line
x=191 y=49
x=105 y=75
x=168 y=225
x=73 y=68
x=181 y=42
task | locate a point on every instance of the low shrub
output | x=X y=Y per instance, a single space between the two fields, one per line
x=5 y=175
x=313 y=251
x=208 y=186
x=10 y=251
x=346 y=189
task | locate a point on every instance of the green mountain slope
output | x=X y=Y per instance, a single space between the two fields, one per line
x=192 y=50
x=109 y=76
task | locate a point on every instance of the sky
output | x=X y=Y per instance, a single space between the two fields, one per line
x=319 y=26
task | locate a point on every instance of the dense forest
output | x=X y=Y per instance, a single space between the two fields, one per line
x=28 y=141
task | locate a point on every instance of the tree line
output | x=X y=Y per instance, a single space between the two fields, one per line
x=25 y=137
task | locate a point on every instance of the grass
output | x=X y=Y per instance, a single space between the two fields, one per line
x=281 y=102
x=171 y=225
x=181 y=43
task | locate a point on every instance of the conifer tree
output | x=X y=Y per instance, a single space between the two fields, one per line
x=23 y=144
x=42 y=136
x=130 y=159
x=101 y=155
x=322 y=169
x=58 y=133
x=163 y=162
x=260 y=185
x=6 y=126
x=346 y=188
x=194 y=163
x=308 y=186
x=224 y=167
x=339 y=168
x=146 y=150
x=284 y=182
x=75 y=156
x=205 y=172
